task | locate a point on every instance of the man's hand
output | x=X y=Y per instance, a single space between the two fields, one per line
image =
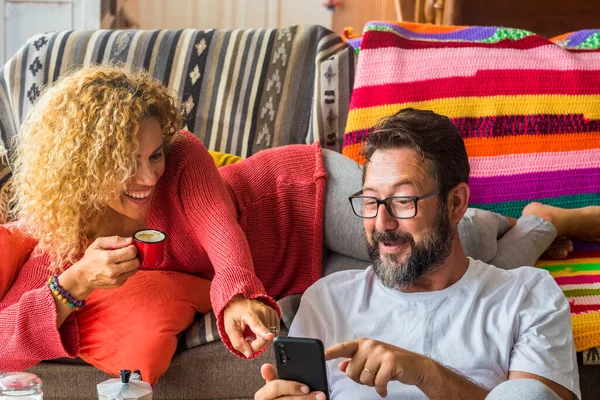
x=241 y=313
x=374 y=363
x=284 y=390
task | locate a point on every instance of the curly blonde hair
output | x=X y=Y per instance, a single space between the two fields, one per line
x=76 y=150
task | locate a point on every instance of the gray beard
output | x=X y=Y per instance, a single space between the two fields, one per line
x=423 y=258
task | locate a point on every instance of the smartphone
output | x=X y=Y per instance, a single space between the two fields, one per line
x=302 y=360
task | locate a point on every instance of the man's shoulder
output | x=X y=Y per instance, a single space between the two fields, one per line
x=522 y=277
x=524 y=272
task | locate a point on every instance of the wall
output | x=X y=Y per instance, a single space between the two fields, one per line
x=356 y=13
x=231 y=14
x=21 y=19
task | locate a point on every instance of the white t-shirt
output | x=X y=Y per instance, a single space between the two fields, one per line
x=488 y=323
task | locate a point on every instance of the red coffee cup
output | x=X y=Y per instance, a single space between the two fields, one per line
x=150 y=244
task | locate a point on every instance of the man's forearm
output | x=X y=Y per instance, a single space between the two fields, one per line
x=440 y=383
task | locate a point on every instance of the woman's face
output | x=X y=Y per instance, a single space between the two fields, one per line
x=134 y=201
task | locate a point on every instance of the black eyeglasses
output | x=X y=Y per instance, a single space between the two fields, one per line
x=403 y=207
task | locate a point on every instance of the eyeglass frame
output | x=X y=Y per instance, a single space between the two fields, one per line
x=415 y=199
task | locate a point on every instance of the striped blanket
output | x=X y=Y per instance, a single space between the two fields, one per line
x=5 y=188
x=528 y=110
x=242 y=91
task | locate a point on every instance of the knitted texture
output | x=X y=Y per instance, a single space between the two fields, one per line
x=277 y=196
x=28 y=321
x=527 y=108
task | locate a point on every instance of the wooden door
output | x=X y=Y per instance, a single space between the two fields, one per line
x=356 y=13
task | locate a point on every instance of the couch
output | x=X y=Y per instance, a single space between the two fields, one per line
x=241 y=91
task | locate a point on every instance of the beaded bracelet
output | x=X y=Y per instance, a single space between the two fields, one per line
x=61 y=294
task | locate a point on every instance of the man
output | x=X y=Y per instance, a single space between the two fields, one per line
x=439 y=325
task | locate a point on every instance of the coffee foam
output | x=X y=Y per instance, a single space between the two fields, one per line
x=150 y=235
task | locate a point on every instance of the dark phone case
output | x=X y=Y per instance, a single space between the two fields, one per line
x=305 y=362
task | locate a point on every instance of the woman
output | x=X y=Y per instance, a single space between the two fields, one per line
x=102 y=156
x=87 y=176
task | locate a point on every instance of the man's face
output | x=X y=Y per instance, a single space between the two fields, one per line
x=403 y=250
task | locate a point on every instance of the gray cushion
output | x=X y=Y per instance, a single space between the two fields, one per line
x=338 y=262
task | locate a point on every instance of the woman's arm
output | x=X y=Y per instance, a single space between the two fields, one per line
x=28 y=321
x=34 y=325
x=210 y=210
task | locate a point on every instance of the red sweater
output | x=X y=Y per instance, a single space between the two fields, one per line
x=254 y=228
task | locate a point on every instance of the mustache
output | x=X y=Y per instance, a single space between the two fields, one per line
x=395 y=237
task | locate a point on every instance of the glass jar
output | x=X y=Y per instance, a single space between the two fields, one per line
x=20 y=385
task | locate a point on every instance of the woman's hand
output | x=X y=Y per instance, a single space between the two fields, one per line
x=107 y=263
x=242 y=313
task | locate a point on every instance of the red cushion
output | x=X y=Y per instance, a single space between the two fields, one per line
x=136 y=326
x=15 y=249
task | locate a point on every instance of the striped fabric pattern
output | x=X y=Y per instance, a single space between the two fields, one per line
x=4 y=185
x=527 y=108
x=588 y=39
x=242 y=91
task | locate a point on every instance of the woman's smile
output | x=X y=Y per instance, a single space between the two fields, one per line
x=139 y=196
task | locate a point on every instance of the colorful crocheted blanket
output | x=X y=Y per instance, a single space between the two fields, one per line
x=528 y=109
